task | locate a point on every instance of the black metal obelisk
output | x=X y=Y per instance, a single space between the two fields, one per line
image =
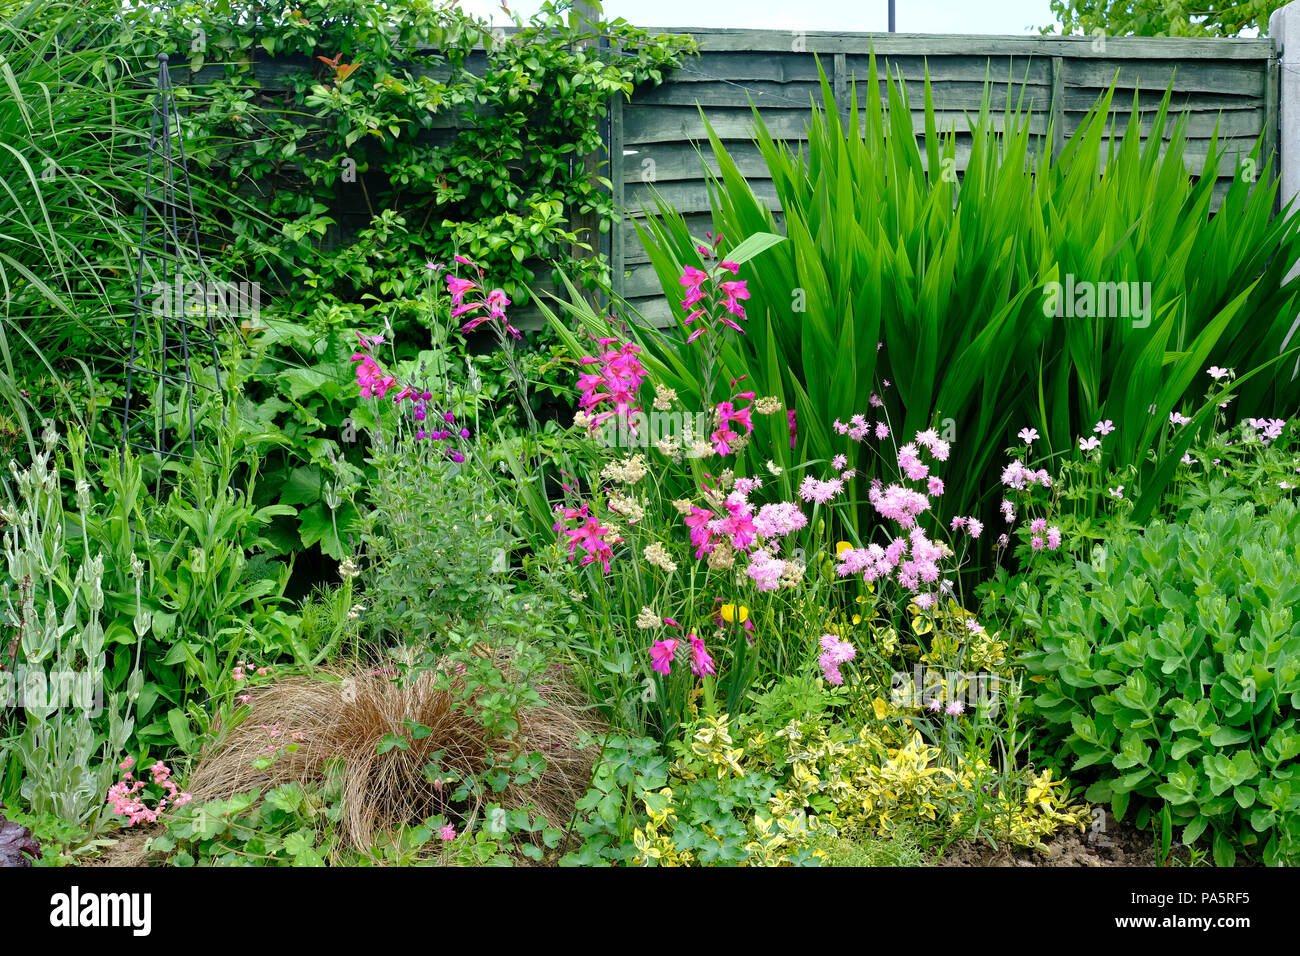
x=175 y=333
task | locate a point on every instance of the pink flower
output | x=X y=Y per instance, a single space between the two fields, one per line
x=834 y=653
x=724 y=435
x=765 y=571
x=611 y=390
x=898 y=503
x=589 y=536
x=692 y=279
x=737 y=524
x=810 y=489
x=661 y=655
x=779 y=519
x=1104 y=428
x=459 y=288
x=734 y=291
x=701 y=536
x=371 y=377
x=954 y=708
x=701 y=662
x=1089 y=444
x=447 y=833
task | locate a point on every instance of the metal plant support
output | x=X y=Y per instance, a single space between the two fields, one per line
x=169 y=338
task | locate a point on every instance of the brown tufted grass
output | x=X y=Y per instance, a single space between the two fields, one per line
x=338 y=723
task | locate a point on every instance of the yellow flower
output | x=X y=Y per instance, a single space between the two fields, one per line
x=841 y=547
x=734 y=614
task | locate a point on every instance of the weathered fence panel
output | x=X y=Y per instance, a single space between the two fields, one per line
x=658 y=145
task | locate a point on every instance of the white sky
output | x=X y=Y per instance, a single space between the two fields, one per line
x=850 y=16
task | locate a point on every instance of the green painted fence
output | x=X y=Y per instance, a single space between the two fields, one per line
x=656 y=138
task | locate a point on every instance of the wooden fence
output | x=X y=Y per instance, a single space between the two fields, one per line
x=654 y=137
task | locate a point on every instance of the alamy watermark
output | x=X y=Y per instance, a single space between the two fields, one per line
x=936 y=688
x=226 y=300
x=31 y=687
x=1081 y=299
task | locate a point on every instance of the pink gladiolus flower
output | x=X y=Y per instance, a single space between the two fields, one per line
x=701 y=662
x=610 y=391
x=733 y=291
x=589 y=536
x=698 y=521
x=371 y=378
x=661 y=655
x=459 y=288
x=737 y=525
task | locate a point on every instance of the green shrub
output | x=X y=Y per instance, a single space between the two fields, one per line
x=1171 y=666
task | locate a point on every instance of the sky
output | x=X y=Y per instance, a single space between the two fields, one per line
x=849 y=16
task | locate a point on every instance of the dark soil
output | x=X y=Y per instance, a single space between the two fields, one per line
x=1119 y=844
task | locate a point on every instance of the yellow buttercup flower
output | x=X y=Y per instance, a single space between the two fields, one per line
x=734 y=614
x=841 y=547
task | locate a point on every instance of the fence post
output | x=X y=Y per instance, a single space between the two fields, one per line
x=1284 y=28
x=586 y=224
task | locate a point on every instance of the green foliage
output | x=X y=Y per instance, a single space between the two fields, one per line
x=71 y=124
x=886 y=245
x=434 y=544
x=703 y=810
x=365 y=140
x=1171 y=669
x=178 y=598
x=900 y=849
x=607 y=814
x=1155 y=18
x=503 y=190
x=289 y=825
